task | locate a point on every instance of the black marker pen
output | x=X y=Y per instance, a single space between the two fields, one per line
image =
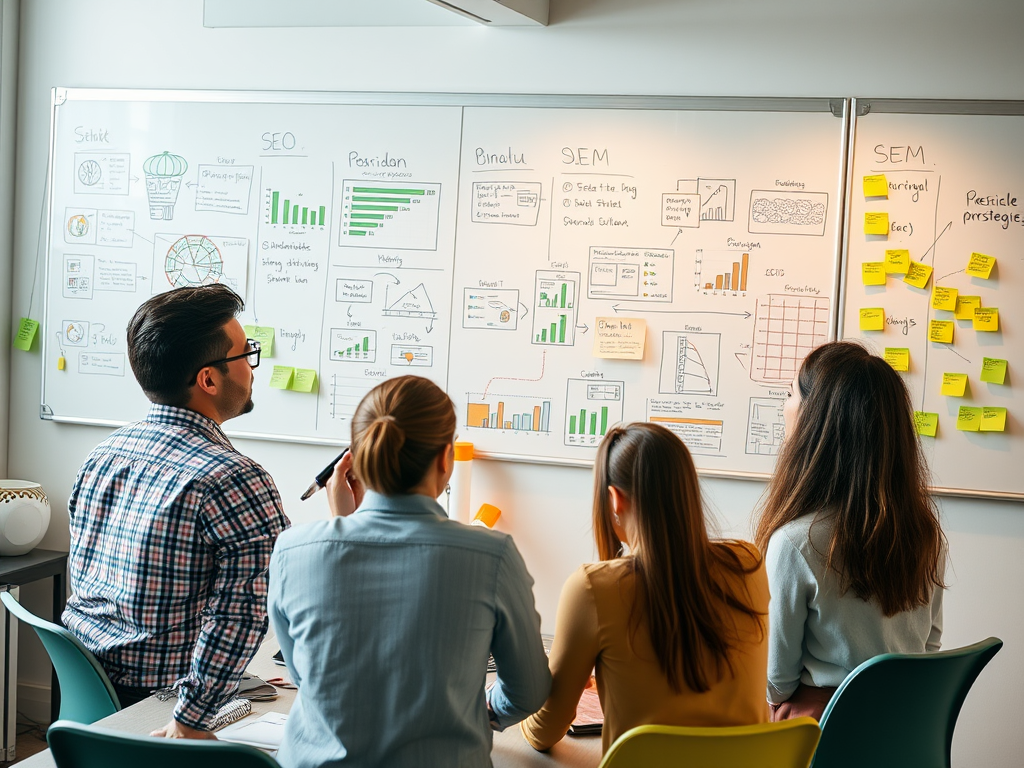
x=321 y=479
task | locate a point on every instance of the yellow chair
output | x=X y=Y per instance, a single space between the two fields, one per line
x=789 y=744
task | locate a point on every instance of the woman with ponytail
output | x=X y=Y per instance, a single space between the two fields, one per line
x=675 y=627
x=387 y=612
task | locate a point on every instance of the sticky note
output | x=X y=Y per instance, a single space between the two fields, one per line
x=918 y=274
x=968 y=419
x=965 y=306
x=872 y=319
x=282 y=377
x=926 y=423
x=26 y=333
x=954 y=384
x=980 y=265
x=304 y=381
x=986 y=319
x=620 y=338
x=876 y=223
x=898 y=358
x=876 y=186
x=873 y=272
x=897 y=261
x=993 y=370
x=62 y=363
x=940 y=331
x=993 y=419
x=264 y=334
x=944 y=298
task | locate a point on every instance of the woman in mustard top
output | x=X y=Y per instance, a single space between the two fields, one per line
x=675 y=630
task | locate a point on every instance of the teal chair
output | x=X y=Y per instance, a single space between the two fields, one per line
x=899 y=710
x=78 y=746
x=86 y=693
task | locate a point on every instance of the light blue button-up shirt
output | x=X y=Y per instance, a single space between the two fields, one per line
x=385 y=619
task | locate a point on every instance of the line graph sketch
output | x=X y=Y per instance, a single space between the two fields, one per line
x=765 y=426
x=690 y=363
x=786 y=328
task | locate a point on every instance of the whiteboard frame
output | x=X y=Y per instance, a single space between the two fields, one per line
x=840 y=108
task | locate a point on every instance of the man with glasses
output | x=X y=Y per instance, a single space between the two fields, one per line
x=171 y=527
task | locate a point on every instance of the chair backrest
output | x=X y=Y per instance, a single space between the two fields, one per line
x=789 y=744
x=78 y=746
x=900 y=709
x=86 y=692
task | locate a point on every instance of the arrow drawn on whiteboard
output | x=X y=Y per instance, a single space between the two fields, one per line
x=388 y=274
x=740 y=358
x=677 y=236
x=678 y=311
x=585 y=328
x=543 y=363
x=348 y=311
x=952 y=273
x=950 y=348
x=944 y=230
x=526 y=310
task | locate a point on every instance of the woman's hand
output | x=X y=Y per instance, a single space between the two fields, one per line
x=344 y=490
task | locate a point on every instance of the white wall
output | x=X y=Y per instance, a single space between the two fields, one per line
x=916 y=48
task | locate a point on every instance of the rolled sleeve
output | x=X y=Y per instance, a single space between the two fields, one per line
x=789 y=582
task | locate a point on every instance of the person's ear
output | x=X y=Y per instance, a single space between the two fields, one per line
x=205 y=381
x=619 y=501
x=445 y=459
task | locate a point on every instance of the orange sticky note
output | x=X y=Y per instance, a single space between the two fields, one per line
x=872 y=319
x=873 y=272
x=876 y=223
x=897 y=261
x=927 y=423
x=993 y=419
x=986 y=319
x=918 y=274
x=944 y=298
x=968 y=419
x=940 y=331
x=965 y=306
x=898 y=358
x=980 y=265
x=876 y=186
x=954 y=384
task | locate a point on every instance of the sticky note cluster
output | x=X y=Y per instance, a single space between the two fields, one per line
x=294 y=379
x=984 y=419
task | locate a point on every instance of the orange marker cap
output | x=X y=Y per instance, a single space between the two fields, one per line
x=487 y=515
x=463 y=451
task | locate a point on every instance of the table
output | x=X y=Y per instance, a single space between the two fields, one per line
x=510 y=749
x=41 y=564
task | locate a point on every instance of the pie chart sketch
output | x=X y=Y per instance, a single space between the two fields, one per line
x=193 y=260
x=89 y=172
x=74 y=332
x=78 y=226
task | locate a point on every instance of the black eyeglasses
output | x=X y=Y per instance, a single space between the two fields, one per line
x=254 y=349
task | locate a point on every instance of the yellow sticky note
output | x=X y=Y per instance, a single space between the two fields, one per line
x=980 y=265
x=968 y=419
x=897 y=261
x=965 y=306
x=26 y=333
x=940 y=331
x=304 y=381
x=926 y=423
x=986 y=319
x=264 y=334
x=944 y=298
x=872 y=319
x=282 y=377
x=898 y=358
x=620 y=338
x=918 y=274
x=954 y=384
x=61 y=363
x=873 y=273
x=876 y=223
x=993 y=370
x=876 y=186
x=993 y=419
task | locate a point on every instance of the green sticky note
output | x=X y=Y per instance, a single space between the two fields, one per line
x=969 y=419
x=918 y=274
x=993 y=370
x=927 y=423
x=898 y=358
x=872 y=273
x=954 y=384
x=264 y=334
x=305 y=380
x=26 y=333
x=282 y=377
x=993 y=419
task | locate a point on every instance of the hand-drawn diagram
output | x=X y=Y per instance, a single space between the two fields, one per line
x=353 y=290
x=99 y=227
x=200 y=260
x=224 y=188
x=506 y=202
x=765 y=426
x=81 y=227
x=116 y=275
x=717 y=197
x=644 y=274
x=77 y=277
x=701 y=433
x=554 y=313
x=296 y=210
x=101 y=363
x=353 y=345
x=163 y=180
x=721 y=273
x=75 y=333
x=99 y=173
x=787 y=213
x=508 y=412
x=493 y=309
x=414 y=303
x=346 y=392
x=591 y=406
x=385 y=214
x=412 y=355
x=690 y=363
x=786 y=328
x=89 y=173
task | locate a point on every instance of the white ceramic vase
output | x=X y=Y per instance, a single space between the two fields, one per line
x=24 y=516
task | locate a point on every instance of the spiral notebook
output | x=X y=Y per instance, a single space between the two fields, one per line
x=231 y=712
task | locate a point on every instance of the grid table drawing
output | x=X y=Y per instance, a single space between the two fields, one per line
x=786 y=328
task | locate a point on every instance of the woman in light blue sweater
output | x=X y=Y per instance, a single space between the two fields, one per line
x=853 y=547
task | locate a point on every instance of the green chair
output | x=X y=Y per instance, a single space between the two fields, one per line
x=86 y=693
x=898 y=710
x=788 y=744
x=78 y=746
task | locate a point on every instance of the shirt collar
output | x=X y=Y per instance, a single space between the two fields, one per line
x=406 y=504
x=186 y=417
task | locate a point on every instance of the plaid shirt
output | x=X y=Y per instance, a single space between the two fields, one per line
x=171 y=535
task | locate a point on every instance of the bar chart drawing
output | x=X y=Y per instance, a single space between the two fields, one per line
x=353 y=345
x=590 y=408
x=384 y=214
x=786 y=328
x=717 y=197
x=516 y=413
x=690 y=363
x=555 y=310
x=765 y=426
x=412 y=355
x=721 y=273
x=293 y=210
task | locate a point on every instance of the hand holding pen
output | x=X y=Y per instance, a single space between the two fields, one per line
x=344 y=491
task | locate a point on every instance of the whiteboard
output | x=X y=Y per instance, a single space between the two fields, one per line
x=474 y=240
x=955 y=178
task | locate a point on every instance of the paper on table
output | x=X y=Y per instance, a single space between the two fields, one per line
x=266 y=732
x=918 y=274
x=993 y=419
x=940 y=331
x=873 y=273
x=986 y=319
x=980 y=265
x=927 y=423
x=993 y=370
x=876 y=223
x=876 y=186
x=898 y=358
x=954 y=384
x=620 y=338
x=872 y=319
x=965 y=306
x=944 y=298
x=897 y=261
x=968 y=419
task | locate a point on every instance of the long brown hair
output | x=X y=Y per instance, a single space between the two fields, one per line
x=679 y=590
x=854 y=457
x=399 y=427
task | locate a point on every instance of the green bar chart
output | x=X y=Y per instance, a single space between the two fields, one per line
x=292 y=210
x=554 y=317
x=381 y=214
x=591 y=407
x=353 y=345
